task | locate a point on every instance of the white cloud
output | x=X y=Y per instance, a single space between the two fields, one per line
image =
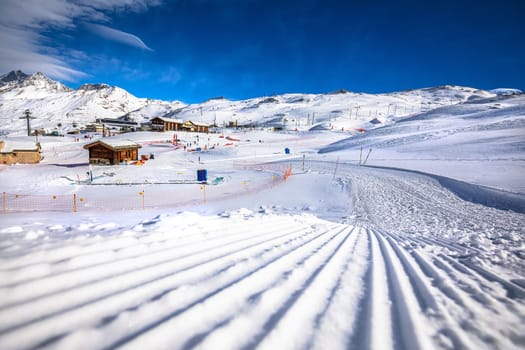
x=23 y=46
x=171 y=75
x=20 y=49
x=118 y=36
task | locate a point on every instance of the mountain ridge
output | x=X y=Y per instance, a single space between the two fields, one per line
x=54 y=103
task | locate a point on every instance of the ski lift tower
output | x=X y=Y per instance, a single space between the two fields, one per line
x=27 y=116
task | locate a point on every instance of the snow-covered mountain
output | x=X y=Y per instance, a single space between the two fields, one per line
x=337 y=110
x=33 y=86
x=56 y=106
x=445 y=129
x=13 y=76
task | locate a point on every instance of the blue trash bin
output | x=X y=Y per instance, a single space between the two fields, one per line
x=202 y=175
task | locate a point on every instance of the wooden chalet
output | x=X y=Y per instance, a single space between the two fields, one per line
x=109 y=151
x=122 y=124
x=195 y=127
x=20 y=152
x=170 y=124
x=166 y=124
x=95 y=127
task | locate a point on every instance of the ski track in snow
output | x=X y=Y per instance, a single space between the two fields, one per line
x=412 y=267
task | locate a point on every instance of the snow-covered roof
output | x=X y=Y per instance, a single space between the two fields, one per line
x=197 y=123
x=13 y=146
x=179 y=121
x=114 y=143
x=169 y=120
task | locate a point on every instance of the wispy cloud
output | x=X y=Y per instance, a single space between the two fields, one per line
x=118 y=36
x=171 y=76
x=23 y=44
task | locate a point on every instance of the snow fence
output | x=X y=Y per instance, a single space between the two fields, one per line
x=95 y=197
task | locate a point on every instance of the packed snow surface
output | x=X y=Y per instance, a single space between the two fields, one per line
x=410 y=265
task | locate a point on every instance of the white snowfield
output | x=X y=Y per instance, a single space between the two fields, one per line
x=430 y=255
x=410 y=266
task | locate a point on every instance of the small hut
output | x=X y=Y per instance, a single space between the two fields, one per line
x=110 y=151
x=20 y=152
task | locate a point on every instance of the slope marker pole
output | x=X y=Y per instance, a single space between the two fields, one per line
x=336 y=164
x=368 y=155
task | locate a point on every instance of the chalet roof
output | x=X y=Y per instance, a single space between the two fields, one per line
x=196 y=123
x=114 y=144
x=169 y=120
x=179 y=121
x=17 y=146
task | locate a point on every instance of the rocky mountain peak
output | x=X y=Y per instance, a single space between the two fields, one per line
x=40 y=81
x=93 y=87
x=16 y=76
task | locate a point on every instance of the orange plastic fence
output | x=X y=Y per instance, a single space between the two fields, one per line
x=27 y=202
x=136 y=198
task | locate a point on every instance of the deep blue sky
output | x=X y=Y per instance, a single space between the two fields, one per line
x=194 y=50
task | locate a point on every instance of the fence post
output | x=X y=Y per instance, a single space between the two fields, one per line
x=141 y=193
x=203 y=188
x=368 y=155
x=74 y=202
x=4 y=202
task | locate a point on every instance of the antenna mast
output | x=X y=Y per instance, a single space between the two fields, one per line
x=27 y=116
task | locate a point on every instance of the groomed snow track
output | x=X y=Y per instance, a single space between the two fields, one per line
x=413 y=267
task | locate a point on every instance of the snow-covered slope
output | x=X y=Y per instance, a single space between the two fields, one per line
x=444 y=129
x=20 y=85
x=53 y=103
x=411 y=266
x=336 y=256
x=339 y=110
x=485 y=134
